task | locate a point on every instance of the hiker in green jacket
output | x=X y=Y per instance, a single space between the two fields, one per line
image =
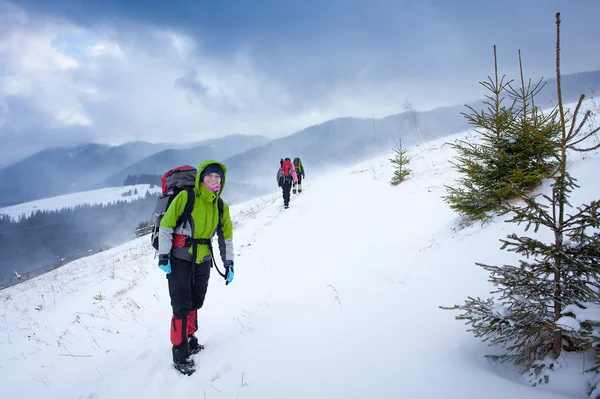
x=186 y=257
x=300 y=173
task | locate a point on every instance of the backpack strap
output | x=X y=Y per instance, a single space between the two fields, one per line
x=194 y=242
x=219 y=228
x=189 y=205
x=220 y=207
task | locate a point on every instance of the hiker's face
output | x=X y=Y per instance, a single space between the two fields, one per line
x=212 y=179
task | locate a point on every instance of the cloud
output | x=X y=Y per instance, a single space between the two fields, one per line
x=190 y=82
x=37 y=75
x=104 y=48
x=185 y=71
x=118 y=88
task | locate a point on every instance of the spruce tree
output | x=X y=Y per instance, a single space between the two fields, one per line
x=511 y=152
x=529 y=311
x=528 y=144
x=400 y=163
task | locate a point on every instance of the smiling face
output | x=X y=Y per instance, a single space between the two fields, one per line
x=212 y=179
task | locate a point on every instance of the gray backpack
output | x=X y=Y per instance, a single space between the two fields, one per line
x=173 y=182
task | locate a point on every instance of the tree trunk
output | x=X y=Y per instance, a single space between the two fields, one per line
x=557 y=333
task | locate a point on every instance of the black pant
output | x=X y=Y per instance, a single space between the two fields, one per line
x=299 y=177
x=188 y=284
x=286 y=188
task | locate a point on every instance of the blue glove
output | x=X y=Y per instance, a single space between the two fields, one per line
x=164 y=263
x=166 y=268
x=228 y=273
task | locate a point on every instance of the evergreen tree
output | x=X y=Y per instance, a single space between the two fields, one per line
x=529 y=142
x=142 y=179
x=67 y=233
x=512 y=152
x=528 y=315
x=400 y=162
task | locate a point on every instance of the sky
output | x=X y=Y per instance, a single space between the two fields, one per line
x=324 y=304
x=182 y=70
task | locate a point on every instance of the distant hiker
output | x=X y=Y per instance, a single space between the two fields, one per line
x=286 y=176
x=185 y=254
x=300 y=173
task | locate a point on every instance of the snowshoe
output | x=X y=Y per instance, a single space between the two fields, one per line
x=286 y=206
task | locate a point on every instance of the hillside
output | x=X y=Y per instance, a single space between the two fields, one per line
x=336 y=297
x=92 y=197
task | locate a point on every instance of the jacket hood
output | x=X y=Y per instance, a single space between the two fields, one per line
x=203 y=165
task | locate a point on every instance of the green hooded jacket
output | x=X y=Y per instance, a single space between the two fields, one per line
x=204 y=222
x=299 y=167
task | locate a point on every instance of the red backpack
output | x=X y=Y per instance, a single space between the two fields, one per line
x=287 y=168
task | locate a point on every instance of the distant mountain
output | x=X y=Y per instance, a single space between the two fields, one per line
x=162 y=161
x=572 y=86
x=340 y=142
x=67 y=170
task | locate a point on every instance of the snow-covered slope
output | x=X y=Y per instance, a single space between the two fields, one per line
x=336 y=297
x=92 y=197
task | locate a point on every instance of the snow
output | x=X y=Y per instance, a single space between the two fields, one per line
x=92 y=197
x=337 y=297
x=590 y=312
x=568 y=323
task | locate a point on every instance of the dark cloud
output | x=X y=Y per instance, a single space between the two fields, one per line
x=25 y=135
x=191 y=83
x=208 y=68
x=405 y=33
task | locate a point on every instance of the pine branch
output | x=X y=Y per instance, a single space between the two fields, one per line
x=533 y=213
x=586 y=149
x=572 y=132
x=524 y=245
x=581 y=125
x=588 y=216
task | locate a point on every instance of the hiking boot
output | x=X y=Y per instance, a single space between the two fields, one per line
x=186 y=367
x=294 y=191
x=193 y=344
x=182 y=361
